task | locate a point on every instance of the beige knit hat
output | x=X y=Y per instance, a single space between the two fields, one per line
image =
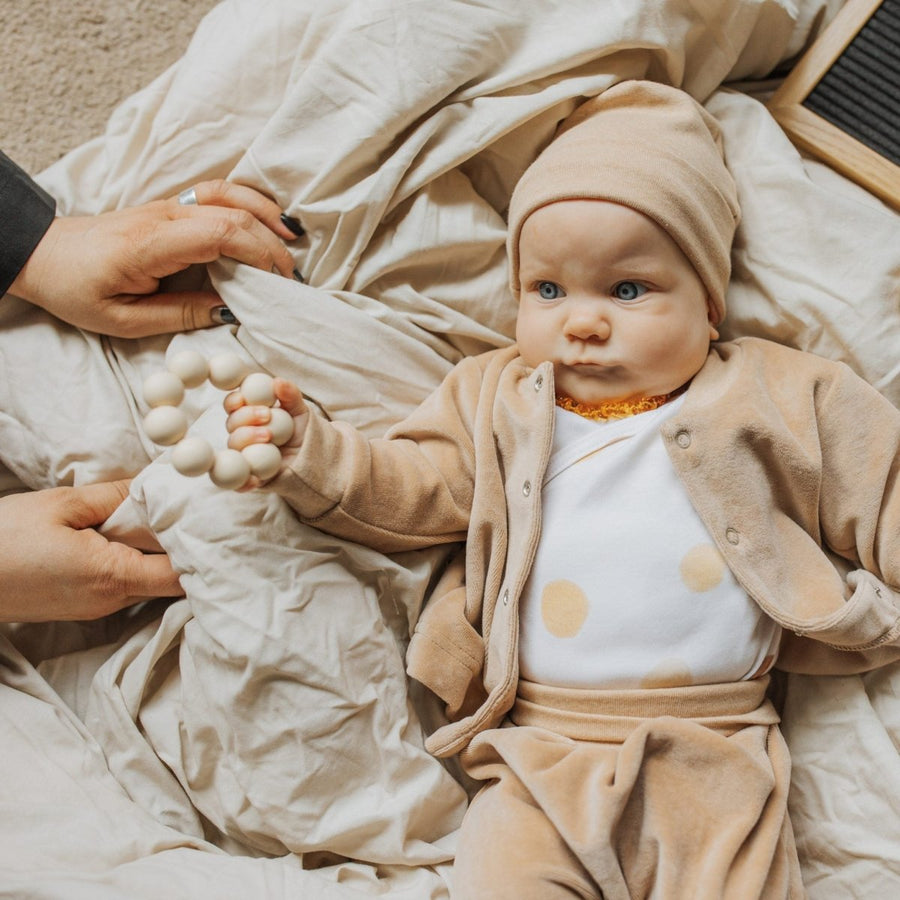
x=650 y=147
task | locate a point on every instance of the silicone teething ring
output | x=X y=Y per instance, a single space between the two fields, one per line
x=194 y=456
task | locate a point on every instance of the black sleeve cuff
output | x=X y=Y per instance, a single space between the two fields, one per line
x=26 y=211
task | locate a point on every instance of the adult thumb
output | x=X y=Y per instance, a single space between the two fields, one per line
x=175 y=311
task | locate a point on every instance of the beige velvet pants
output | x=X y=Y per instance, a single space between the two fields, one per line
x=671 y=794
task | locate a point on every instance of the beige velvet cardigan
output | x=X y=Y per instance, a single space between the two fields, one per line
x=791 y=461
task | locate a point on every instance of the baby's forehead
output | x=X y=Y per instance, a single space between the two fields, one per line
x=594 y=232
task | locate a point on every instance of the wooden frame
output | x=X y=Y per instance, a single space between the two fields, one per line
x=815 y=135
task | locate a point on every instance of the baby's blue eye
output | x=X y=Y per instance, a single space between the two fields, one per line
x=549 y=290
x=628 y=290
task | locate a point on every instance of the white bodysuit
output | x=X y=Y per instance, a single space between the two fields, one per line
x=628 y=589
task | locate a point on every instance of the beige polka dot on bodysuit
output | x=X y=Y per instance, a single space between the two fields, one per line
x=564 y=608
x=702 y=568
x=669 y=673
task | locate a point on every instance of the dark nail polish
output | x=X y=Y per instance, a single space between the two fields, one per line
x=292 y=224
x=299 y=277
x=222 y=315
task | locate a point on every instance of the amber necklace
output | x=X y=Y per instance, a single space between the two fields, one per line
x=614 y=409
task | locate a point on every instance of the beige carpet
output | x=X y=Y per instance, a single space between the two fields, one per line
x=66 y=64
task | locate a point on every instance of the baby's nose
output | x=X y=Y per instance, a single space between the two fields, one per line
x=588 y=322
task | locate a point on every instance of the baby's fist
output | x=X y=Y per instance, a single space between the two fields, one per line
x=254 y=420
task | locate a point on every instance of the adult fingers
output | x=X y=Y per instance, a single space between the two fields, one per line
x=201 y=234
x=126 y=574
x=218 y=192
x=135 y=316
x=90 y=504
x=121 y=573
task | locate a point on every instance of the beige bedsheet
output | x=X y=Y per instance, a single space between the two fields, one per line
x=259 y=738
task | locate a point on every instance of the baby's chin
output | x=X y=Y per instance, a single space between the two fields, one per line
x=594 y=394
x=594 y=385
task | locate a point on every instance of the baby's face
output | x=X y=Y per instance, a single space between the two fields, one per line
x=610 y=299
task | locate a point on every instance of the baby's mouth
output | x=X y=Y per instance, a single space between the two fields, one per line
x=591 y=368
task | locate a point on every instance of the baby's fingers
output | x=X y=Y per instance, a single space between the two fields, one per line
x=244 y=436
x=289 y=396
x=287 y=393
x=282 y=425
x=233 y=402
x=242 y=415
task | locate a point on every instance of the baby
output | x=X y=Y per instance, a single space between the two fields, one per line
x=651 y=519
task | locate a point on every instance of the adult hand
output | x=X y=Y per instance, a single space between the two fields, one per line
x=102 y=272
x=54 y=565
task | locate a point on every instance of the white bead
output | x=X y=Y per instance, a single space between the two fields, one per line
x=193 y=456
x=281 y=426
x=230 y=470
x=165 y=425
x=257 y=389
x=226 y=371
x=264 y=460
x=190 y=366
x=163 y=389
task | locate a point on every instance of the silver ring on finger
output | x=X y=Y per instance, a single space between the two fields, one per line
x=188 y=197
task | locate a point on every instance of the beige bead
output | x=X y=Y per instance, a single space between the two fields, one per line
x=227 y=371
x=230 y=470
x=193 y=456
x=257 y=389
x=163 y=389
x=190 y=366
x=264 y=460
x=281 y=426
x=165 y=425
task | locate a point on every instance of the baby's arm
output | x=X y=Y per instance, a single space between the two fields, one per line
x=252 y=424
x=410 y=489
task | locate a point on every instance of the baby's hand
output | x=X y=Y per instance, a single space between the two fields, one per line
x=254 y=424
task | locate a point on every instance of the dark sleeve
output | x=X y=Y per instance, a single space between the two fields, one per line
x=26 y=211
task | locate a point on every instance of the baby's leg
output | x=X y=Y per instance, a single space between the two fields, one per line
x=510 y=850
x=675 y=810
